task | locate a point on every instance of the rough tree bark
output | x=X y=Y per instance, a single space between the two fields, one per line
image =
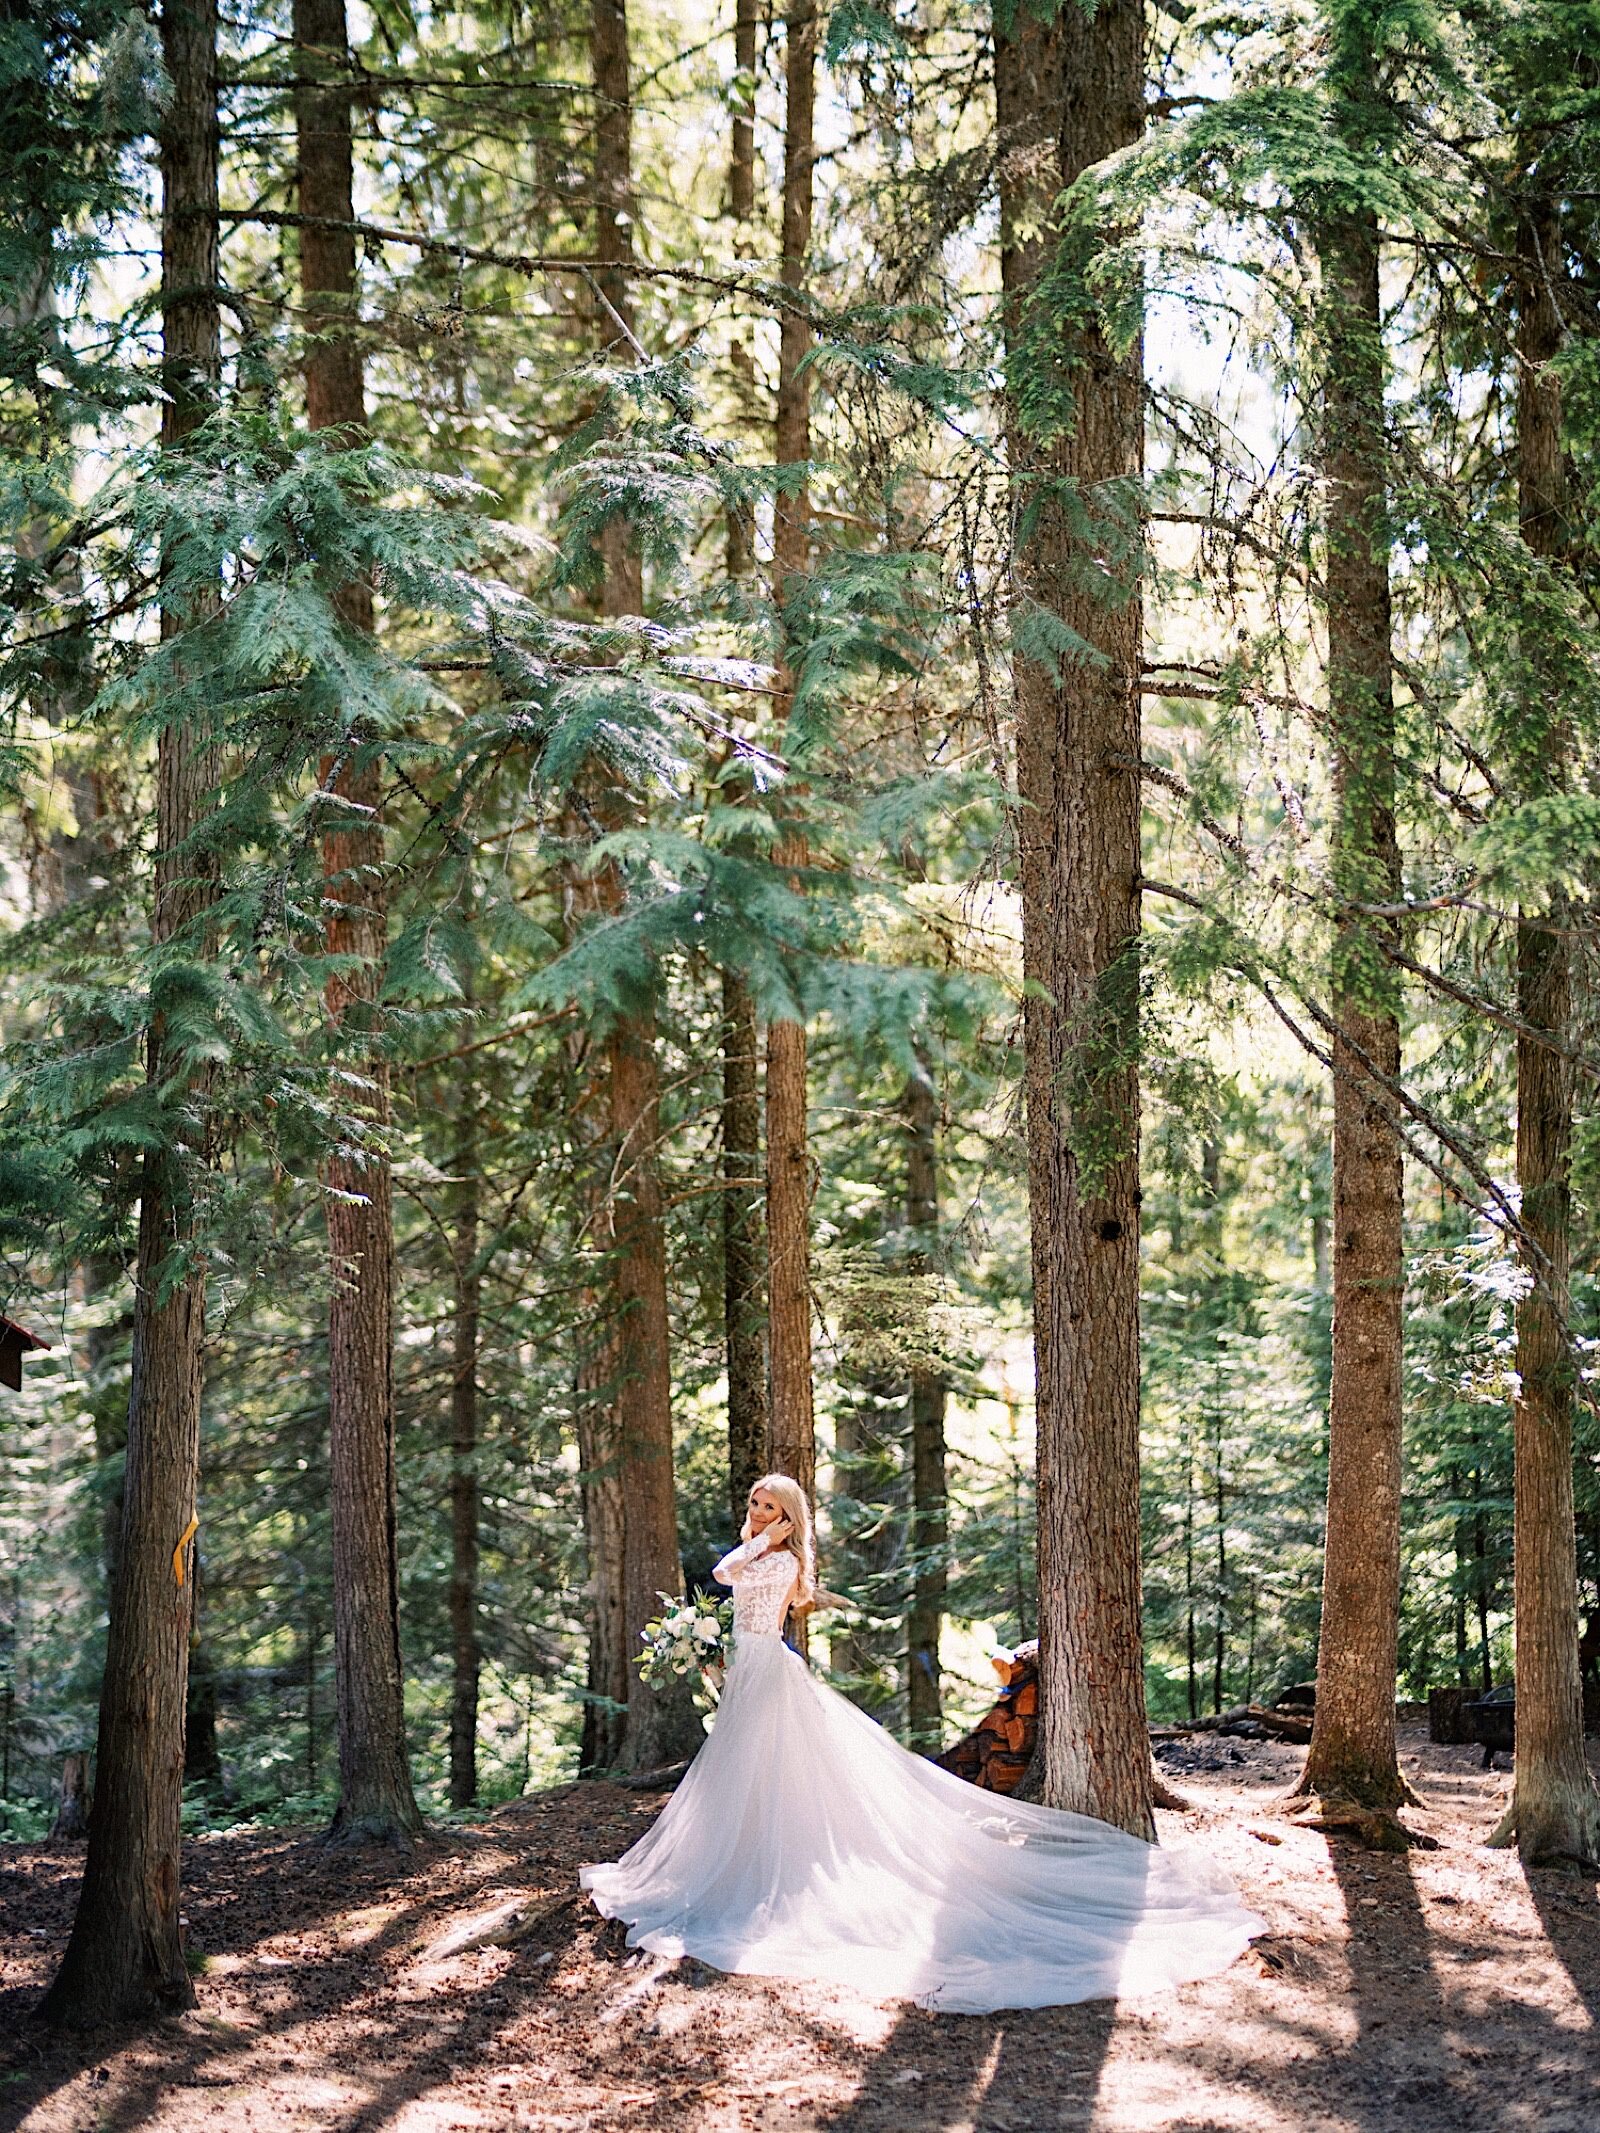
x=742 y=161
x=743 y=1245
x=744 y=1236
x=376 y=1802
x=794 y=1447
x=929 y=1497
x=742 y=208
x=661 y=1725
x=609 y=1679
x=124 y=1960
x=1069 y=92
x=465 y=1656
x=1555 y=1809
x=1351 y=1768
x=607 y=1672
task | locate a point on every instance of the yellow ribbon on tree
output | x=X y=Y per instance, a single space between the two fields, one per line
x=189 y=1532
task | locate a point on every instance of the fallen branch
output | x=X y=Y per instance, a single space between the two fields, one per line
x=1281 y=1725
x=502 y=1927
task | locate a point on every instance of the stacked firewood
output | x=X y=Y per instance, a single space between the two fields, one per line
x=995 y=1755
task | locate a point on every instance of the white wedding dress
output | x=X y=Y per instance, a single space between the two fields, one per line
x=805 y=1843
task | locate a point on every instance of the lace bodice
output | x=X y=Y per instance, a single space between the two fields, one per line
x=762 y=1578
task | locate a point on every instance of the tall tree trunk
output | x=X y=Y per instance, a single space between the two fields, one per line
x=607 y=1672
x=744 y=1237
x=1480 y=1549
x=742 y=208
x=1352 y=1754
x=376 y=1802
x=661 y=1724
x=124 y=1960
x=743 y=1241
x=794 y=1447
x=1070 y=91
x=929 y=1496
x=464 y=1648
x=1555 y=1809
x=793 y=1424
x=1219 y=1645
x=742 y=161
x=1191 y=1624
x=1459 y=1601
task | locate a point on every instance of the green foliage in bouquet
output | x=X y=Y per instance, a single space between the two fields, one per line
x=692 y=1635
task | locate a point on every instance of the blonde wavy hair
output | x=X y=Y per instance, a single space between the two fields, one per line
x=801 y=1540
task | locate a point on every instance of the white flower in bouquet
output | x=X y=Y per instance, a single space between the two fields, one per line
x=688 y=1637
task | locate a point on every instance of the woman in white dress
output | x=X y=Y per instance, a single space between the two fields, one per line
x=805 y=1843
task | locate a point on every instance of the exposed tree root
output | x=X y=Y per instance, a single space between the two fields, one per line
x=1162 y=1794
x=1376 y=1829
x=371 y=1833
x=661 y=1780
x=1553 y=1852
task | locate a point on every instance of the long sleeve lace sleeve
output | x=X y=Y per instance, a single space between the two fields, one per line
x=740 y=1558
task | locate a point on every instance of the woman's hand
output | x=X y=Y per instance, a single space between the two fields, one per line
x=778 y=1532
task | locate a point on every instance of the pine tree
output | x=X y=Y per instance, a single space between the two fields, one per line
x=376 y=1802
x=125 y=1958
x=661 y=1725
x=1352 y=1760
x=793 y=1425
x=743 y=1241
x=1069 y=92
x=465 y=1647
x=929 y=1489
x=1555 y=1807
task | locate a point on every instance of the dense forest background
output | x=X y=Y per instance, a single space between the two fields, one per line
x=583 y=581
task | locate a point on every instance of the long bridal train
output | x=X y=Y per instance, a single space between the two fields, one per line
x=806 y=1843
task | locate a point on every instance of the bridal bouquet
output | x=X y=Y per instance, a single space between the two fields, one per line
x=693 y=1635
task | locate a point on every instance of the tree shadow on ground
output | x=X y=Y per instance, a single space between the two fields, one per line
x=345 y=1983
x=1000 y=2073
x=1397 y=2069
x=311 y=1892
x=1568 y=1903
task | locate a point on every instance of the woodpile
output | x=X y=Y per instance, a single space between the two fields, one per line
x=995 y=1755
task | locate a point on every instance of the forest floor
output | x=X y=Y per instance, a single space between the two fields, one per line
x=1443 y=1990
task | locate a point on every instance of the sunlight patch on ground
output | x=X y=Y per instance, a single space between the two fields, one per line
x=431 y=2114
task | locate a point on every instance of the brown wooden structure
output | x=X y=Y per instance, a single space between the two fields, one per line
x=16 y=1342
x=995 y=1755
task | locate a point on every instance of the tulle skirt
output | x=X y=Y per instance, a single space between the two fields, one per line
x=805 y=1843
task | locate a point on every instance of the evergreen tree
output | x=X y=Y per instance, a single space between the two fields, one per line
x=792 y=1424
x=1555 y=1808
x=376 y=1803
x=1352 y=1758
x=125 y=1957
x=1070 y=91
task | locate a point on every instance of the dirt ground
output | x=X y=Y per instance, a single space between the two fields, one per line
x=1427 y=1994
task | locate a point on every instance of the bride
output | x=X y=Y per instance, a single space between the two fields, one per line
x=805 y=1843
